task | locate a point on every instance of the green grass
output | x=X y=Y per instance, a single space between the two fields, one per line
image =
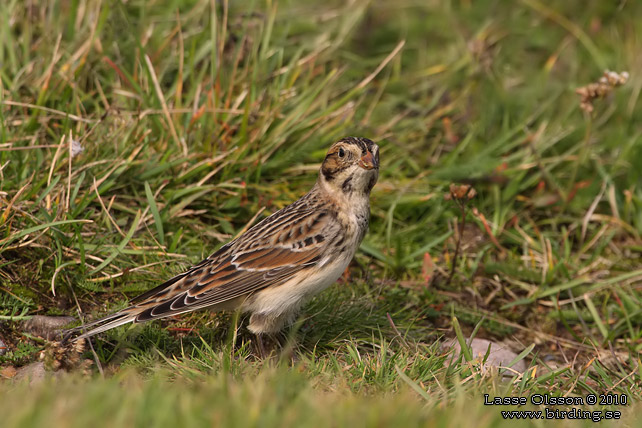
x=272 y=398
x=194 y=116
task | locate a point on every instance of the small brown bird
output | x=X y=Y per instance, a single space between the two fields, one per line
x=275 y=266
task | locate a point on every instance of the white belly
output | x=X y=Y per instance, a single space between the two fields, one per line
x=283 y=301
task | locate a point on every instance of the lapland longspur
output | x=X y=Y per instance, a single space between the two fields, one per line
x=275 y=266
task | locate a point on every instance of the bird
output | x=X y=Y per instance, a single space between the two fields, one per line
x=277 y=265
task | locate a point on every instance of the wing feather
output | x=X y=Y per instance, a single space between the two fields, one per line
x=267 y=255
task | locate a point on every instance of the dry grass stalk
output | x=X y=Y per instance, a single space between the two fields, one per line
x=603 y=87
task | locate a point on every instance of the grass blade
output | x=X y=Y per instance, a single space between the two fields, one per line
x=157 y=217
x=120 y=246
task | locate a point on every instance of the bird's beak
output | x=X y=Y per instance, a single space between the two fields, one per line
x=367 y=161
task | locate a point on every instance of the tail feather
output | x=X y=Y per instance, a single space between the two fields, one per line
x=98 y=326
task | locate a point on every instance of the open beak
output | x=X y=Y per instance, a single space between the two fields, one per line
x=367 y=161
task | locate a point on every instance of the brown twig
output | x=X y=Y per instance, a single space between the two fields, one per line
x=461 y=194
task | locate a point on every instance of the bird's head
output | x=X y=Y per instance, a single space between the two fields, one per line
x=351 y=166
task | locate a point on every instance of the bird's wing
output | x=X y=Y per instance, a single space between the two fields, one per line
x=266 y=255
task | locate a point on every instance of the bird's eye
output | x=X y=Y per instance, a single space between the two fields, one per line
x=342 y=152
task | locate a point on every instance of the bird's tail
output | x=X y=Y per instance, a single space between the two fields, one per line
x=132 y=313
x=103 y=324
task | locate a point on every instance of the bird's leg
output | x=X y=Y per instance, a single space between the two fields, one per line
x=266 y=345
x=260 y=347
x=287 y=345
